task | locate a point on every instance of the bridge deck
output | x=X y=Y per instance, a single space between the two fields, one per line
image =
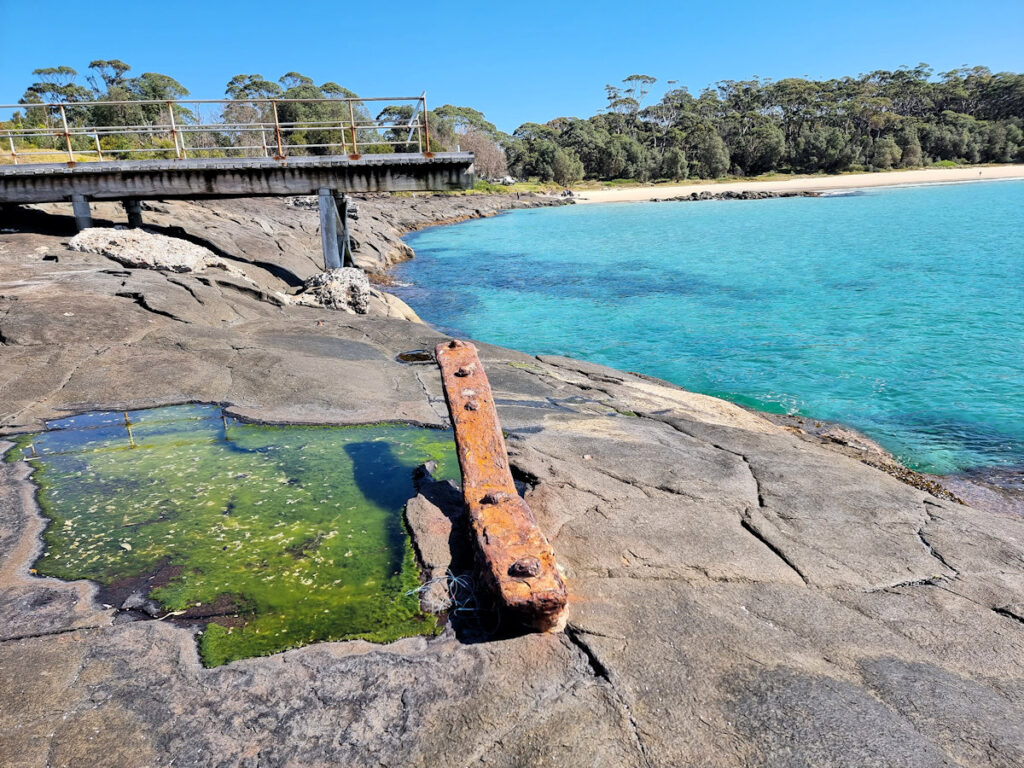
x=234 y=177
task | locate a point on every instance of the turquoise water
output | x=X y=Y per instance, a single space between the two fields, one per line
x=898 y=311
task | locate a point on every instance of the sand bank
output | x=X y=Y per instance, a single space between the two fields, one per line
x=808 y=183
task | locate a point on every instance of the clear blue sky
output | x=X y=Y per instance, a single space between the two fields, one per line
x=515 y=61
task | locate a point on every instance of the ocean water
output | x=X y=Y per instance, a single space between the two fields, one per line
x=897 y=311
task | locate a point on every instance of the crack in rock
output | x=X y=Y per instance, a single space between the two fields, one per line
x=52 y=633
x=1008 y=614
x=747 y=524
x=600 y=671
x=934 y=581
x=187 y=287
x=928 y=545
x=140 y=299
x=436 y=404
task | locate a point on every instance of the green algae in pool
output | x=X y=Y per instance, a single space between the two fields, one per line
x=290 y=534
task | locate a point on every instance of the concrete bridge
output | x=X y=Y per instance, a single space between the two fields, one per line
x=277 y=157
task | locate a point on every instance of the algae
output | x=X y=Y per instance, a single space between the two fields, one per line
x=278 y=535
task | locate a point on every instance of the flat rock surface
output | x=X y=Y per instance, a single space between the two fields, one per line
x=739 y=596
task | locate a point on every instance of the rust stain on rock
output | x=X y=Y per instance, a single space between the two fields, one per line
x=515 y=557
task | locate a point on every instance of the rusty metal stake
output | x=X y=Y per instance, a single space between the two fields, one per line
x=277 y=133
x=352 y=125
x=426 y=127
x=174 y=130
x=516 y=559
x=67 y=135
x=128 y=426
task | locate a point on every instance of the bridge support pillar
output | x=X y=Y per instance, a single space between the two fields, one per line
x=344 y=239
x=334 y=235
x=80 y=207
x=134 y=210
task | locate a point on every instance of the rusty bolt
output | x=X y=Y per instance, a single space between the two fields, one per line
x=525 y=567
x=472 y=405
x=454 y=344
x=465 y=370
x=495 y=497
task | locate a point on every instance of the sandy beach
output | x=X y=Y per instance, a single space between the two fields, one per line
x=808 y=183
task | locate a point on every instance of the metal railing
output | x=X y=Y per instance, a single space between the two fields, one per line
x=179 y=129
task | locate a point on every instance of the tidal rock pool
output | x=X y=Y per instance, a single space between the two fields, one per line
x=277 y=536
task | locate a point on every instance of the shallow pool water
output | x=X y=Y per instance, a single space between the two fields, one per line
x=278 y=535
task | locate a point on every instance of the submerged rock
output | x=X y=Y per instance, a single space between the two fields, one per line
x=137 y=602
x=746 y=194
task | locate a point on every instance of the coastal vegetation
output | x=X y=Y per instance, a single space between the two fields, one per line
x=903 y=118
x=106 y=100
x=885 y=119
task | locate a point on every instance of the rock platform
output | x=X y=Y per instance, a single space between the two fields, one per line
x=739 y=596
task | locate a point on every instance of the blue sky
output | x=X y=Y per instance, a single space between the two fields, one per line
x=515 y=61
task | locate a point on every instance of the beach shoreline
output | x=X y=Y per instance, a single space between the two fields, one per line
x=839 y=182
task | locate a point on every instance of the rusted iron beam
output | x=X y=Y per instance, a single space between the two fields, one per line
x=515 y=558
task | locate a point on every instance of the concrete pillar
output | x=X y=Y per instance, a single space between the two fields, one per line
x=329 y=229
x=134 y=210
x=83 y=216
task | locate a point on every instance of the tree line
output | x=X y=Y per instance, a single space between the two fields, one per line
x=114 y=99
x=907 y=117
x=903 y=118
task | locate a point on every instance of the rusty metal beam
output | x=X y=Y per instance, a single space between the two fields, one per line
x=515 y=557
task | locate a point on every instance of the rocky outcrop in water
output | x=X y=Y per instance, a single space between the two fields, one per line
x=740 y=596
x=730 y=195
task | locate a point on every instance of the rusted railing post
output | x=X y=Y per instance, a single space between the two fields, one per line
x=99 y=149
x=515 y=558
x=352 y=125
x=277 y=133
x=426 y=128
x=67 y=135
x=14 y=152
x=174 y=130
